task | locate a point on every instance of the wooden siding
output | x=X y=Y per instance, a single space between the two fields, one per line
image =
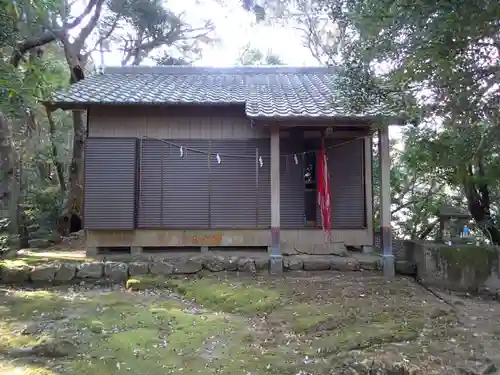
x=155 y=122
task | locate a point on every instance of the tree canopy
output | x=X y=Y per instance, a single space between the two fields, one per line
x=46 y=45
x=438 y=64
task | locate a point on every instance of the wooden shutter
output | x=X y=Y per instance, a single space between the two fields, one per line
x=150 y=184
x=264 y=183
x=233 y=184
x=109 y=191
x=292 y=183
x=346 y=166
x=185 y=187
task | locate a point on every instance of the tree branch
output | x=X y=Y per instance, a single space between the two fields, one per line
x=428 y=229
x=106 y=35
x=90 y=26
x=23 y=47
x=78 y=20
x=52 y=33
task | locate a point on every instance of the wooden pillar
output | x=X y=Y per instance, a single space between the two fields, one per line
x=385 y=201
x=276 y=265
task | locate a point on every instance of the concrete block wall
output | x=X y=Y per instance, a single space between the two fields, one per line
x=403 y=250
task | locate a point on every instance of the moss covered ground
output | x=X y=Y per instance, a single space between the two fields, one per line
x=35 y=258
x=225 y=324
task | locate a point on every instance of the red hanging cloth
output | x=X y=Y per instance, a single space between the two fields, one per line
x=324 y=202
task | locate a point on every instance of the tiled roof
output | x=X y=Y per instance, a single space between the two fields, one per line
x=265 y=91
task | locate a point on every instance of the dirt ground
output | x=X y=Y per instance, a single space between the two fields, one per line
x=322 y=323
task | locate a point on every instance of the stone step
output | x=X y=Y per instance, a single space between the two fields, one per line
x=331 y=262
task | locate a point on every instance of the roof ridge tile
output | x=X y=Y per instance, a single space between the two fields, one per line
x=200 y=70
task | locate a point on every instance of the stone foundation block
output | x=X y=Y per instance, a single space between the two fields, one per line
x=44 y=272
x=246 y=265
x=16 y=274
x=344 y=264
x=292 y=263
x=66 y=272
x=232 y=263
x=138 y=268
x=161 y=268
x=369 y=264
x=187 y=266
x=261 y=263
x=214 y=263
x=116 y=271
x=316 y=262
x=89 y=270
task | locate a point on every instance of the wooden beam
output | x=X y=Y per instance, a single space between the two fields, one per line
x=276 y=266
x=385 y=201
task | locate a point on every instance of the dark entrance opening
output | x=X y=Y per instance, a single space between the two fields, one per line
x=310 y=190
x=75 y=223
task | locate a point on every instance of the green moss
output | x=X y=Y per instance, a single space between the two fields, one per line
x=456 y=259
x=38 y=258
x=122 y=332
x=349 y=324
x=247 y=359
x=12 y=339
x=146 y=282
x=359 y=337
x=302 y=317
x=29 y=304
x=17 y=368
x=154 y=339
x=236 y=297
x=11 y=263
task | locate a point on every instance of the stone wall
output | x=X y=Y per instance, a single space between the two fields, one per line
x=467 y=268
x=115 y=272
x=404 y=254
x=403 y=250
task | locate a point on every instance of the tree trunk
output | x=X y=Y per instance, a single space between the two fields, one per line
x=478 y=199
x=482 y=217
x=72 y=215
x=29 y=143
x=9 y=179
x=71 y=218
x=55 y=155
x=22 y=223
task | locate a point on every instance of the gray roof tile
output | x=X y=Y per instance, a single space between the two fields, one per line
x=265 y=91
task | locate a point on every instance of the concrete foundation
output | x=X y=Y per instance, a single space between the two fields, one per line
x=304 y=240
x=389 y=269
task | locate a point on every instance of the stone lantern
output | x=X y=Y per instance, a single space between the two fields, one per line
x=452 y=221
